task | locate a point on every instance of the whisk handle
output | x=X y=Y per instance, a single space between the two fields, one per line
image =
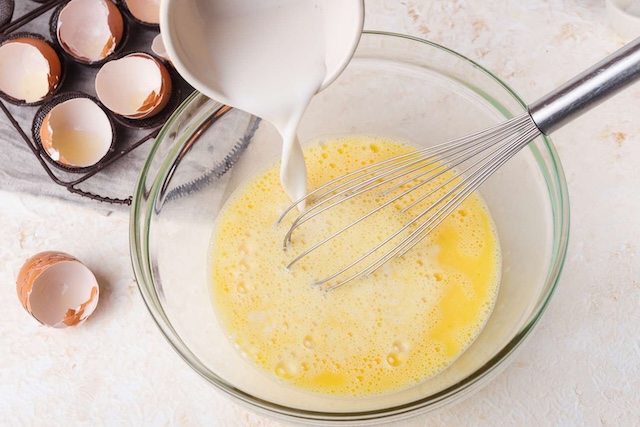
x=588 y=89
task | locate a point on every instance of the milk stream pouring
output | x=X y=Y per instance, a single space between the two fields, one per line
x=267 y=58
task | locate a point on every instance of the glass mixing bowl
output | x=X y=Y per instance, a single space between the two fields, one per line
x=396 y=86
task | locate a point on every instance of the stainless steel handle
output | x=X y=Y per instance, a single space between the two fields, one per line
x=588 y=89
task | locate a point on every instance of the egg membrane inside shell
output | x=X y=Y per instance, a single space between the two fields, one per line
x=90 y=30
x=64 y=294
x=29 y=69
x=145 y=10
x=76 y=133
x=136 y=86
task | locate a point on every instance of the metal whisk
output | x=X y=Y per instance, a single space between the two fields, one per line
x=480 y=155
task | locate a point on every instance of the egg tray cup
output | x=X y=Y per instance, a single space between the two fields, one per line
x=69 y=177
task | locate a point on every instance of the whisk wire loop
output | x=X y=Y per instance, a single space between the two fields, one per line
x=474 y=180
x=469 y=185
x=494 y=145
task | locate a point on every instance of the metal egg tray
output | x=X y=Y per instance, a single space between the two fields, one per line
x=79 y=77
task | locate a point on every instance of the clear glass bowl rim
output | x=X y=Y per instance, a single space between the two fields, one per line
x=139 y=223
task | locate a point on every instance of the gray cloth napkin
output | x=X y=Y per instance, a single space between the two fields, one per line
x=21 y=170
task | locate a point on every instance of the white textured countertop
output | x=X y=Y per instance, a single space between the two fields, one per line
x=581 y=367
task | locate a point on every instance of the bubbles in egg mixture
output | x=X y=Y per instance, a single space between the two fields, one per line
x=396 y=328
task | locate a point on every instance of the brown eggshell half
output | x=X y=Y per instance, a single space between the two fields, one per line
x=76 y=133
x=137 y=76
x=57 y=289
x=90 y=30
x=17 y=65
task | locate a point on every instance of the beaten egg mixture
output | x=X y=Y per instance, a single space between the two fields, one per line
x=381 y=333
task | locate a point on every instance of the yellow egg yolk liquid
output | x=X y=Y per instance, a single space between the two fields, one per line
x=381 y=333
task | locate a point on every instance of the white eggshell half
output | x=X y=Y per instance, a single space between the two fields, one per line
x=90 y=29
x=132 y=86
x=77 y=133
x=24 y=72
x=145 y=10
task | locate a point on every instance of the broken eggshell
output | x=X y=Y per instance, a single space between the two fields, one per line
x=136 y=86
x=89 y=30
x=30 y=69
x=57 y=289
x=75 y=133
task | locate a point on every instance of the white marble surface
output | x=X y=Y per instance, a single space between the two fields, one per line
x=581 y=367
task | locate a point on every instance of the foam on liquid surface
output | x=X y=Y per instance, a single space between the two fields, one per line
x=386 y=332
